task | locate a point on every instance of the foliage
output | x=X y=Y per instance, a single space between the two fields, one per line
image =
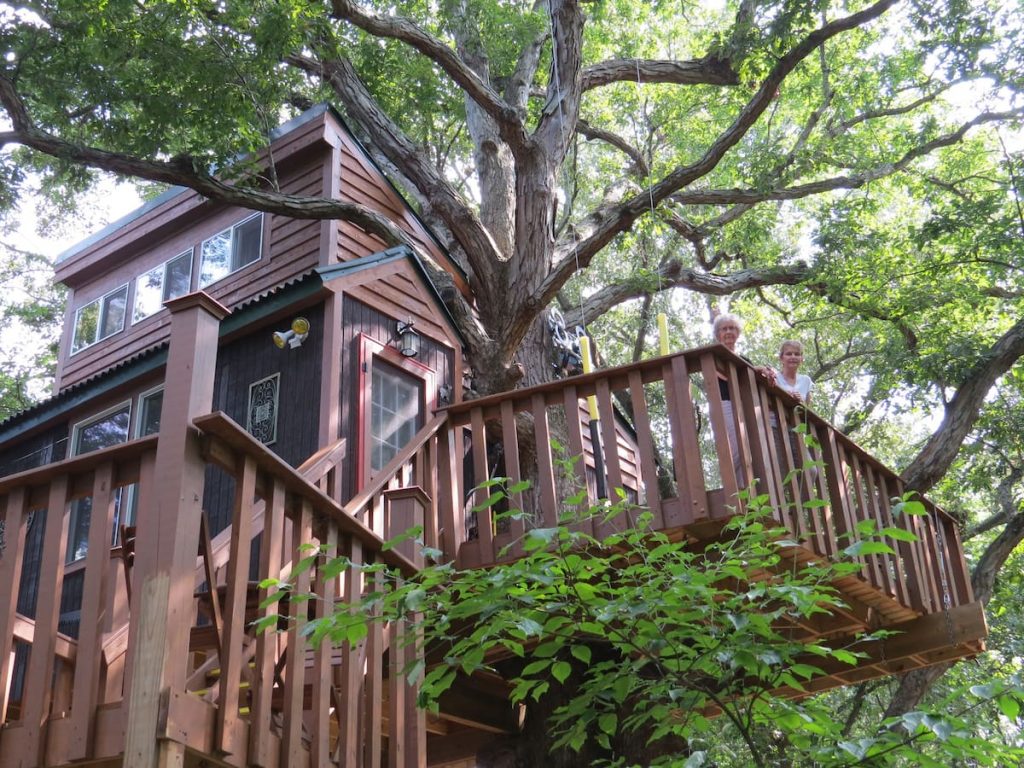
x=638 y=634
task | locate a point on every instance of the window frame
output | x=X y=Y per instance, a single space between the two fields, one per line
x=139 y=411
x=118 y=497
x=102 y=301
x=231 y=256
x=190 y=252
x=371 y=349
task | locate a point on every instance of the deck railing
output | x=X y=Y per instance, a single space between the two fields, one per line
x=250 y=698
x=675 y=454
x=263 y=699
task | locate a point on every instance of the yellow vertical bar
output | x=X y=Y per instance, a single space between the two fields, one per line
x=663 y=333
x=588 y=366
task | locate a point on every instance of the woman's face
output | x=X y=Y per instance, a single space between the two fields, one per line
x=791 y=358
x=728 y=333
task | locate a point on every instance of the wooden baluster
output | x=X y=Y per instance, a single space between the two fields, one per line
x=295 y=665
x=961 y=576
x=930 y=560
x=484 y=512
x=36 y=699
x=693 y=490
x=229 y=726
x=862 y=512
x=326 y=589
x=837 y=491
x=577 y=453
x=885 y=561
x=15 y=532
x=353 y=658
x=372 y=702
x=645 y=443
x=911 y=550
x=788 y=467
x=85 y=692
x=429 y=484
x=762 y=462
x=510 y=446
x=144 y=494
x=545 y=466
x=825 y=535
x=903 y=550
x=461 y=530
x=612 y=464
x=396 y=691
x=448 y=500
x=721 y=431
x=746 y=472
x=271 y=545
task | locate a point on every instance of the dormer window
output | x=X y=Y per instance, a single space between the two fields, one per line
x=99 y=319
x=231 y=250
x=167 y=281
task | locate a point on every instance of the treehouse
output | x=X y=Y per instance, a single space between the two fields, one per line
x=233 y=386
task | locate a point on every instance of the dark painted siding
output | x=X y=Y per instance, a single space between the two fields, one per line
x=359 y=318
x=250 y=359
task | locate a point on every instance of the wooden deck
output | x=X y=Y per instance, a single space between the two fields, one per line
x=223 y=694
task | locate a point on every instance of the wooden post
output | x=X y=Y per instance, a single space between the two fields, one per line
x=168 y=528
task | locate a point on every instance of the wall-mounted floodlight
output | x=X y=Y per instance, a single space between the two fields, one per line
x=294 y=336
x=407 y=341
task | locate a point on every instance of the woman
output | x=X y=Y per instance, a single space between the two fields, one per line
x=726 y=330
x=788 y=377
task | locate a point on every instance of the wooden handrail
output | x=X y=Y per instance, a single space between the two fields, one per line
x=380 y=480
x=232 y=436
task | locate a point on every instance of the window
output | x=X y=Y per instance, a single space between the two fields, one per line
x=394 y=413
x=231 y=250
x=109 y=428
x=171 y=279
x=99 y=319
x=150 y=404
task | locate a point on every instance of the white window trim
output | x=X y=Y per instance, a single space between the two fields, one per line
x=231 y=229
x=191 y=252
x=137 y=429
x=79 y=426
x=99 y=322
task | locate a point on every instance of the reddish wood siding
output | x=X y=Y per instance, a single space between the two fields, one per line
x=291 y=247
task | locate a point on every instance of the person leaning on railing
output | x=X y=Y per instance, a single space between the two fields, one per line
x=726 y=329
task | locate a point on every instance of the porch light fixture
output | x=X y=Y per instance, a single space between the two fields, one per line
x=407 y=341
x=294 y=336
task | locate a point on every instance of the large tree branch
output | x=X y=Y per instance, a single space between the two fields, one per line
x=962 y=410
x=505 y=116
x=674 y=275
x=852 y=181
x=598 y=229
x=476 y=242
x=185 y=172
x=709 y=70
x=592 y=133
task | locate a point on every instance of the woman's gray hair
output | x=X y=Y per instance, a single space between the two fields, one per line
x=725 y=317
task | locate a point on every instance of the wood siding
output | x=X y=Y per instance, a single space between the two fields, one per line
x=359 y=318
x=250 y=359
x=290 y=248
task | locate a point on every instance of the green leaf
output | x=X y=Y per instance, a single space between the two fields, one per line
x=608 y=723
x=581 y=652
x=561 y=670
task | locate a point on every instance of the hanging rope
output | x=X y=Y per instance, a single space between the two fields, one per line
x=663 y=346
